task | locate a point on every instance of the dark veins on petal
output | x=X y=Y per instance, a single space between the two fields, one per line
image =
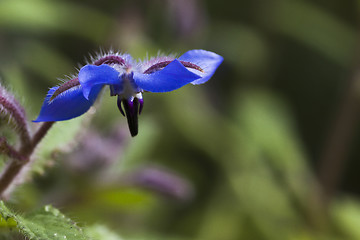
x=163 y=64
x=111 y=59
x=64 y=87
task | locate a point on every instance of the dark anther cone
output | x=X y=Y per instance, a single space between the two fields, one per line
x=131 y=109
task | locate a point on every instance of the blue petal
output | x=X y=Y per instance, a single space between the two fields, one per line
x=67 y=105
x=91 y=76
x=207 y=61
x=171 y=77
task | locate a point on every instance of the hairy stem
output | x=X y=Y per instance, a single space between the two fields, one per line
x=13 y=169
x=14 y=111
x=38 y=136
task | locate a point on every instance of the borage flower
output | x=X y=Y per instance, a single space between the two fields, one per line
x=127 y=79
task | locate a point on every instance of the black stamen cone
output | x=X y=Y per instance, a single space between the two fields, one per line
x=131 y=107
x=119 y=106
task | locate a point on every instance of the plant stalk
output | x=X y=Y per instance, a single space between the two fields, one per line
x=14 y=167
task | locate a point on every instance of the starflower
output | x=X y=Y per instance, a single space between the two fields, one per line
x=127 y=80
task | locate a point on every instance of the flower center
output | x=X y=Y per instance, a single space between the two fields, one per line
x=126 y=87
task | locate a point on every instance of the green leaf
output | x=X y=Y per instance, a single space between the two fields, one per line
x=45 y=224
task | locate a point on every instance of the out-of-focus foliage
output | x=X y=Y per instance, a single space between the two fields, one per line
x=236 y=158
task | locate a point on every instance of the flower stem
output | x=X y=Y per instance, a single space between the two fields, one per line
x=38 y=136
x=8 y=150
x=9 y=174
x=13 y=169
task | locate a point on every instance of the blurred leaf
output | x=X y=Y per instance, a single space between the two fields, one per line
x=262 y=197
x=139 y=147
x=243 y=47
x=152 y=237
x=37 y=56
x=197 y=120
x=124 y=209
x=268 y=170
x=309 y=24
x=226 y=220
x=100 y=232
x=46 y=223
x=116 y=201
x=346 y=214
x=41 y=15
x=16 y=82
x=62 y=136
x=124 y=198
x=266 y=121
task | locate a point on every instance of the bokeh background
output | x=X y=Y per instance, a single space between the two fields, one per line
x=267 y=149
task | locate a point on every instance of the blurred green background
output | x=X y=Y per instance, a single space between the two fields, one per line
x=267 y=149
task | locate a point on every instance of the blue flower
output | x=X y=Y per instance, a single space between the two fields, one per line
x=127 y=79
